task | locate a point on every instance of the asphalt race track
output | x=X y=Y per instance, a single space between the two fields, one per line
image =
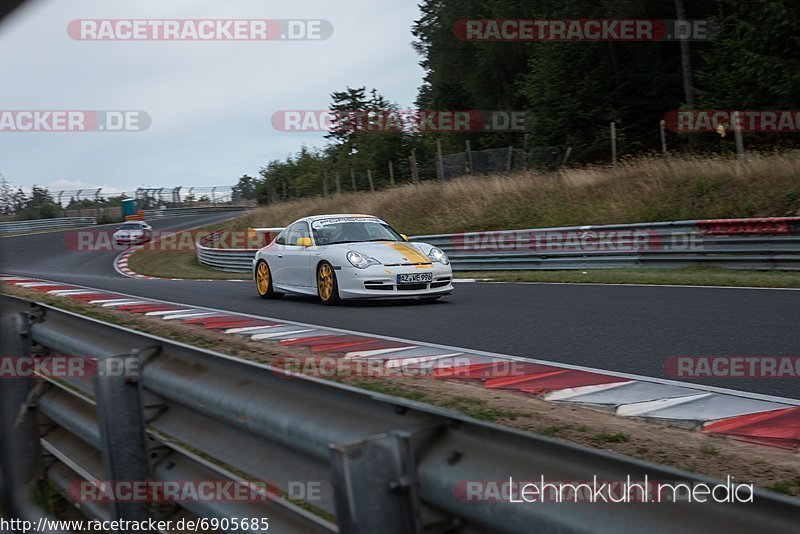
x=631 y=329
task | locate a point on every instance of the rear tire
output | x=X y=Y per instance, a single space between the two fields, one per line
x=327 y=285
x=264 y=282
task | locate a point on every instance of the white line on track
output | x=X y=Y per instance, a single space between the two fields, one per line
x=477 y=281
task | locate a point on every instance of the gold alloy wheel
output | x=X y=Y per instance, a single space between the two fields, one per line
x=262 y=278
x=325 y=282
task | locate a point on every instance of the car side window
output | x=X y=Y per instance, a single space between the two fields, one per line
x=281 y=239
x=295 y=232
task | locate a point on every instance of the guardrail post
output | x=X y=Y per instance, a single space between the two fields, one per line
x=21 y=454
x=120 y=417
x=375 y=485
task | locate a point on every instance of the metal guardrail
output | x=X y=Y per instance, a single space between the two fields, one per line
x=36 y=225
x=224 y=259
x=177 y=212
x=383 y=464
x=749 y=244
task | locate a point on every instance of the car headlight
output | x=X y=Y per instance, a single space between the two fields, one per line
x=438 y=255
x=360 y=261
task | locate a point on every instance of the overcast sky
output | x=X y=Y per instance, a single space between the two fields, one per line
x=210 y=102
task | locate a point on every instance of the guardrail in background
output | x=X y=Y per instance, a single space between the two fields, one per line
x=382 y=464
x=232 y=260
x=36 y=225
x=177 y=212
x=730 y=243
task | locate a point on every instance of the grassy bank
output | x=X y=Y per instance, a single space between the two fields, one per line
x=170 y=264
x=638 y=190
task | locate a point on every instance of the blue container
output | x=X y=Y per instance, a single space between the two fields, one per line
x=128 y=207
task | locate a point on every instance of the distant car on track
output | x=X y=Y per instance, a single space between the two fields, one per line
x=133 y=233
x=337 y=257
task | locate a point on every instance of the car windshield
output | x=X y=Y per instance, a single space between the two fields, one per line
x=354 y=232
x=130 y=226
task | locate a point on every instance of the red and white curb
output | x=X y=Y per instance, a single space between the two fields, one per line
x=121 y=266
x=751 y=417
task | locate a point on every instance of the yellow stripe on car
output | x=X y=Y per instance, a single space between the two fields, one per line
x=413 y=255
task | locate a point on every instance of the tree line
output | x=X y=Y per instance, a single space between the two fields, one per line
x=573 y=90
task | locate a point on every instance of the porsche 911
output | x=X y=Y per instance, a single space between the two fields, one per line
x=340 y=257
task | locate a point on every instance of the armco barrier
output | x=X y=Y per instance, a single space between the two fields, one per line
x=765 y=226
x=735 y=244
x=37 y=225
x=178 y=212
x=224 y=259
x=381 y=464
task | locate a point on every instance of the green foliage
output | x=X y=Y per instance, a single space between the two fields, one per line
x=39 y=205
x=573 y=90
x=245 y=189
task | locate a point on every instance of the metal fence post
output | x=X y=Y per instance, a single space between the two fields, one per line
x=613 y=143
x=525 y=149
x=412 y=160
x=375 y=485
x=97 y=202
x=371 y=183
x=391 y=173
x=120 y=417
x=566 y=156
x=439 y=161
x=468 y=158
x=736 y=119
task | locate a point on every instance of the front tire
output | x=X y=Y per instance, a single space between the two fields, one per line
x=264 y=282
x=327 y=285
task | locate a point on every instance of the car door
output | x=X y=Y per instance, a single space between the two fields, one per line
x=294 y=262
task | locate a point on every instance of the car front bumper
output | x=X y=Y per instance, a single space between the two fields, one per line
x=380 y=282
x=130 y=240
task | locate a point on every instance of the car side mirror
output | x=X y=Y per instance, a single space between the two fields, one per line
x=304 y=242
x=404 y=236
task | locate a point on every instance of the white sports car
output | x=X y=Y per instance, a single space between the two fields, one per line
x=133 y=233
x=349 y=257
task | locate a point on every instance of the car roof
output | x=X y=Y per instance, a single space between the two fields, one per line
x=312 y=218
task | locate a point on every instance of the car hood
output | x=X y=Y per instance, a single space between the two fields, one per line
x=129 y=232
x=390 y=252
